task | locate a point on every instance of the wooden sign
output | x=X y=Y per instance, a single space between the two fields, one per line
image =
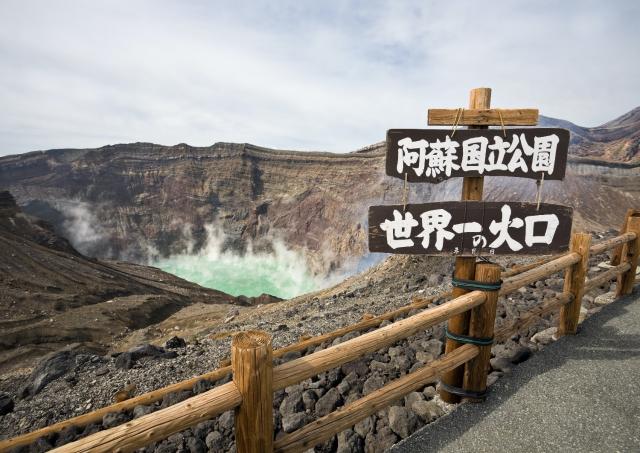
x=433 y=155
x=467 y=228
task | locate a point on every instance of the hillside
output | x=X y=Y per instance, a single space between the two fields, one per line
x=615 y=141
x=51 y=295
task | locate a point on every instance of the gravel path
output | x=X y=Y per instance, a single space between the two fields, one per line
x=578 y=394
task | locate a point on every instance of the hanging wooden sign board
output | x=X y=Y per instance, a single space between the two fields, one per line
x=434 y=155
x=470 y=228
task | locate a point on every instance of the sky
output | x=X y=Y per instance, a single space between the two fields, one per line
x=308 y=75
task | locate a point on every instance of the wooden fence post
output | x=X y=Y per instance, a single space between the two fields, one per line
x=616 y=253
x=630 y=254
x=574 y=278
x=252 y=363
x=481 y=325
x=472 y=187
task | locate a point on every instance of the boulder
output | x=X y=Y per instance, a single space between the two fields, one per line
x=604 y=299
x=293 y=421
x=427 y=410
x=402 y=421
x=349 y=441
x=195 y=445
x=6 y=403
x=126 y=360
x=175 y=343
x=328 y=402
x=113 y=419
x=364 y=427
x=214 y=441
x=546 y=336
x=50 y=368
x=372 y=384
x=292 y=403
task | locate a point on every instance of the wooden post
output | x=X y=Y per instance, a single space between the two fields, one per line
x=481 y=325
x=574 y=279
x=479 y=98
x=252 y=363
x=630 y=254
x=616 y=254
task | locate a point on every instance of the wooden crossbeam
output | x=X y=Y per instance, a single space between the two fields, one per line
x=483 y=117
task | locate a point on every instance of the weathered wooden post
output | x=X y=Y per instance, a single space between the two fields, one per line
x=481 y=326
x=574 y=278
x=630 y=254
x=470 y=228
x=252 y=363
x=472 y=187
x=616 y=253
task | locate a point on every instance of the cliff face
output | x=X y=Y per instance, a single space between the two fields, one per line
x=141 y=196
x=130 y=201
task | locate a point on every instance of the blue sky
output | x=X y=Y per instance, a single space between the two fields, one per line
x=316 y=75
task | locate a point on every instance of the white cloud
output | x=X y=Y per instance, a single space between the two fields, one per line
x=298 y=74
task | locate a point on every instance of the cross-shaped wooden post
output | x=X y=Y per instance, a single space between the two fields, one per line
x=478 y=116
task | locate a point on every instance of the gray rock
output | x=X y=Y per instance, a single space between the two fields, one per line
x=126 y=360
x=226 y=421
x=292 y=403
x=140 y=411
x=309 y=399
x=293 y=421
x=401 y=363
x=167 y=447
x=412 y=398
x=349 y=442
x=6 y=403
x=372 y=384
x=429 y=392
x=402 y=421
x=214 y=441
x=175 y=397
x=546 y=336
x=203 y=428
x=359 y=367
x=113 y=419
x=201 y=386
x=40 y=445
x=604 y=299
x=424 y=357
x=364 y=427
x=175 y=343
x=291 y=355
x=383 y=440
x=521 y=354
x=50 y=368
x=501 y=364
x=343 y=387
x=427 y=410
x=195 y=445
x=385 y=368
x=67 y=435
x=493 y=377
x=328 y=402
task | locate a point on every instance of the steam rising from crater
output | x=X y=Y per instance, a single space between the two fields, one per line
x=280 y=272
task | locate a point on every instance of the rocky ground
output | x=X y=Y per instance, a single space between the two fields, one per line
x=84 y=382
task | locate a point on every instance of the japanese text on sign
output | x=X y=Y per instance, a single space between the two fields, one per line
x=434 y=155
x=469 y=228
